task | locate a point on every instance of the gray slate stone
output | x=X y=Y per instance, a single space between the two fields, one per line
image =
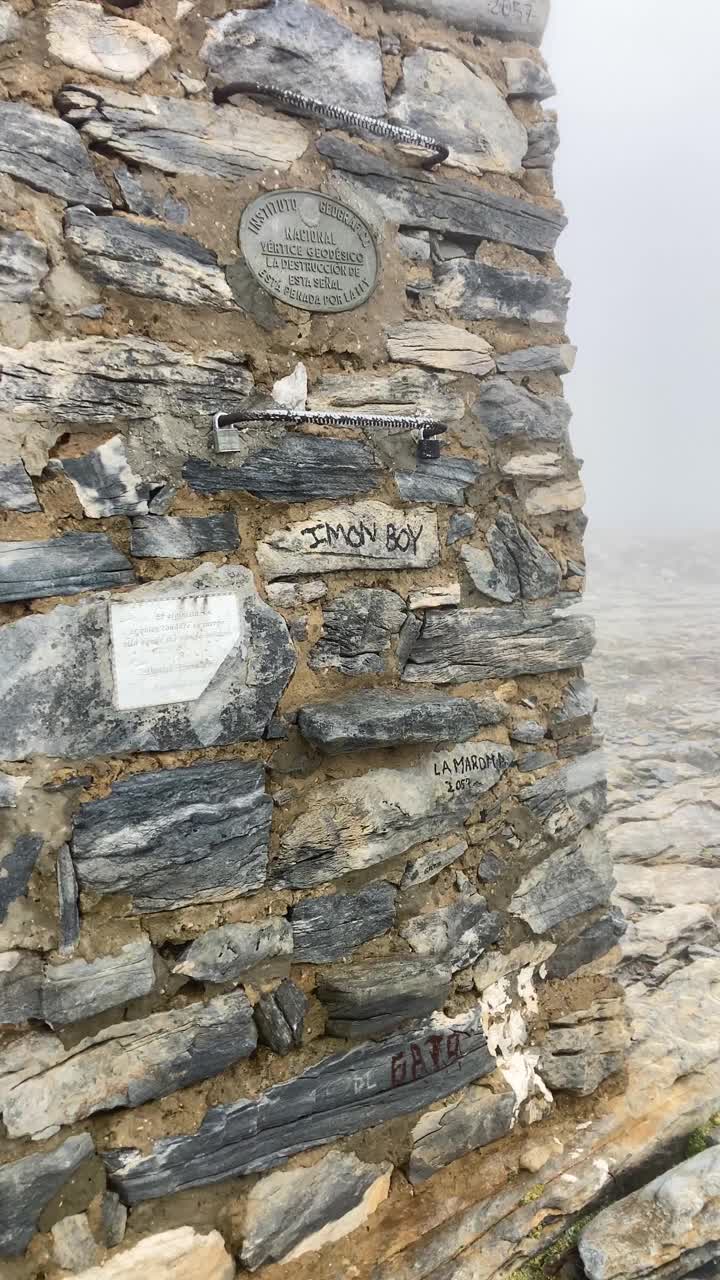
x=529 y=571
x=177 y=836
x=105 y=483
x=571 y=798
x=20 y=987
x=231 y=952
x=508 y=412
x=16 y=867
x=429 y=865
x=16 y=488
x=375 y=997
x=571 y=880
x=414 y=198
x=590 y=944
x=148 y=261
x=46 y=154
x=330 y=928
x=485 y=575
x=181 y=537
x=82 y=988
x=460 y=525
x=353 y=1090
x=138 y=199
x=297 y=45
x=444 y=481
x=386 y=718
x=68 y=910
x=455 y=936
x=113 y=1219
x=476 y=291
x=280 y=1017
x=559 y=359
x=485 y=17
x=299 y=469
x=582 y=1049
x=28 y=1185
x=64 y=704
x=128 y=1064
x=74 y=1246
x=62 y=566
x=23 y=266
x=360 y=628
x=460 y=645
x=286 y=1212
x=543 y=142
x=452 y=1131
x=575 y=712
x=527 y=78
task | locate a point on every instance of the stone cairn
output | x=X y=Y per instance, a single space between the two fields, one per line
x=305 y=940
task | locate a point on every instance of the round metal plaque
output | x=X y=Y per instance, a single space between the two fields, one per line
x=309 y=250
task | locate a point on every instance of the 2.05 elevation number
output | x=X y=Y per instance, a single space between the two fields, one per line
x=512 y=8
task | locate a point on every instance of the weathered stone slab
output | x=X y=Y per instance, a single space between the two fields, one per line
x=20 y=986
x=292 y=1213
x=572 y=797
x=11 y=786
x=16 y=867
x=181 y=1254
x=527 y=78
x=414 y=198
x=181 y=537
x=148 y=261
x=450 y=1132
x=10 y=24
x=543 y=142
x=233 y=950
x=485 y=575
x=460 y=525
x=571 y=880
x=177 y=136
x=28 y=1185
x=46 y=154
x=529 y=571
x=130 y=1063
x=429 y=865
x=105 y=483
x=582 y=1049
x=435 y=345
x=459 y=645
x=16 y=488
x=82 y=988
x=440 y=597
x=524 y=21
x=408 y=392
x=23 y=266
x=280 y=1017
x=68 y=910
x=560 y=359
x=441 y=96
x=360 y=628
x=138 y=198
x=508 y=412
x=455 y=936
x=61 y=566
x=82 y=35
x=575 y=711
x=375 y=997
x=295 y=44
x=533 y=466
x=113 y=1219
x=298 y=469
x=176 y=836
x=74 y=1246
x=330 y=928
x=57 y=688
x=547 y=499
x=359 y=822
x=340 y=1095
x=587 y=946
x=476 y=291
x=385 y=718
x=445 y=480
x=369 y=535
x=90 y=381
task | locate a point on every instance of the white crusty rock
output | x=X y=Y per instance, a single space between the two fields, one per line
x=104 y=482
x=82 y=35
x=440 y=346
x=527 y=78
x=369 y=535
x=10 y=24
x=533 y=466
x=181 y=1254
x=441 y=96
x=565 y=495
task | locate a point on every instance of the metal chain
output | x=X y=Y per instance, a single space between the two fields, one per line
x=424 y=430
x=327 y=110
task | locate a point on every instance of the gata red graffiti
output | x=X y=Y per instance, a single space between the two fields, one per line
x=426 y=1057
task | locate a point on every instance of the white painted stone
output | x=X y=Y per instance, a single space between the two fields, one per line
x=441 y=96
x=565 y=495
x=291 y=392
x=445 y=596
x=533 y=466
x=82 y=35
x=169 y=650
x=369 y=535
x=440 y=346
x=182 y=1254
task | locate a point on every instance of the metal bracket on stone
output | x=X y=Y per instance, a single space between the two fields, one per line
x=227 y=438
x=328 y=111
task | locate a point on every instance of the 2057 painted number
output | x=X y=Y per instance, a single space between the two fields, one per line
x=512 y=9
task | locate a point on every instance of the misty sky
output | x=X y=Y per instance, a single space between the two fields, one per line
x=639 y=175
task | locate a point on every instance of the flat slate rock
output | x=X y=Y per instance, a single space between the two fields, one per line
x=74 y=1245
x=234 y=950
x=430 y=864
x=182 y=537
x=299 y=469
x=82 y=35
x=360 y=629
x=443 y=481
x=575 y=711
x=178 y=136
x=61 y=567
x=510 y=412
x=294 y=1212
x=525 y=21
x=332 y=927
x=180 y=1254
x=528 y=78
x=177 y=836
x=386 y=718
x=151 y=262
x=46 y=154
x=296 y=45
x=20 y=987
x=92 y=381
x=450 y=1132
x=377 y=996
x=571 y=880
x=16 y=488
x=128 y=1064
x=456 y=935
x=435 y=345
x=68 y=908
x=10 y=24
x=64 y=705
x=525 y=570
x=353 y=1090
x=280 y=1017
x=414 y=198
x=28 y=1185
x=543 y=142
x=16 y=867
x=352 y=824
x=581 y=1049
x=82 y=988
x=570 y=798
x=460 y=645
x=105 y=483
x=408 y=392
x=594 y=941
x=368 y=535
x=476 y=291
x=559 y=359
x=138 y=198
x=23 y=266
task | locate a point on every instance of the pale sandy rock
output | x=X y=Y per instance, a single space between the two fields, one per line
x=440 y=346
x=533 y=466
x=82 y=35
x=411 y=391
x=565 y=495
x=74 y=1246
x=10 y=24
x=291 y=392
x=369 y=535
x=182 y=1254
x=442 y=597
x=557 y=359
x=506 y=19
x=527 y=78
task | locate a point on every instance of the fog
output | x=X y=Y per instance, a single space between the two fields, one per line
x=638 y=174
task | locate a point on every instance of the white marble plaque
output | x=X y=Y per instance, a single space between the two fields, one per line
x=168 y=650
